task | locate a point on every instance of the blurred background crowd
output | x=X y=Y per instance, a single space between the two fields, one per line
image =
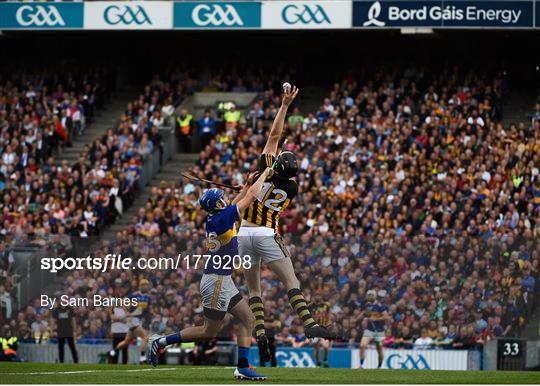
x=409 y=182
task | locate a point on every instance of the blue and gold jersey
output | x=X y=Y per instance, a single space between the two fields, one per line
x=143 y=304
x=221 y=240
x=375 y=310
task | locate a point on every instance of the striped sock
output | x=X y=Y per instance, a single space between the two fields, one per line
x=257 y=307
x=300 y=306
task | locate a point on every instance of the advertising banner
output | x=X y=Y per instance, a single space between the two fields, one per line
x=350 y=358
x=41 y=15
x=443 y=14
x=274 y=14
x=121 y=15
x=306 y=14
x=414 y=359
x=195 y=14
x=304 y=357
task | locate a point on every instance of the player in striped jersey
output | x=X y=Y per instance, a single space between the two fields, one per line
x=259 y=238
x=321 y=312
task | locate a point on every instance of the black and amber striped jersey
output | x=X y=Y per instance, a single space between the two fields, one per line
x=275 y=197
x=320 y=312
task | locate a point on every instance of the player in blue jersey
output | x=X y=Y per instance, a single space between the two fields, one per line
x=218 y=292
x=134 y=319
x=376 y=315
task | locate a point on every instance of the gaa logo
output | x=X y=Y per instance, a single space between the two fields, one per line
x=216 y=15
x=407 y=362
x=39 y=16
x=295 y=359
x=306 y=14
x=127 y=15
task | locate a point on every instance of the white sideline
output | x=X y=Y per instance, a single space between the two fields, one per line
x=112 y=371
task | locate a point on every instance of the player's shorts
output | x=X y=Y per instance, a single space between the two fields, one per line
x=261 y=244
x=133 y=323
x=318 y=340
x=378 y=336
x=219 y=295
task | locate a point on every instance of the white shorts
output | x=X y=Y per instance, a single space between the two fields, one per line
x=261 y=244
x=133 y=322
x=378 y=336
x=219 y=294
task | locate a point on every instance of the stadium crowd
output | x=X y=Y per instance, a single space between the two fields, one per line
x=42 y=110
x=409 y=185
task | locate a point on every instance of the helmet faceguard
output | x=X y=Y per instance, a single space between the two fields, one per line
x=286 y=165
x=211 y=198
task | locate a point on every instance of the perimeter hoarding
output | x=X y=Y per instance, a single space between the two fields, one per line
x=271 y=15
x=279 y=14
x=121 y=15
x=51 y=15
x=443 y=14
x=398 y=359
x=217 y=15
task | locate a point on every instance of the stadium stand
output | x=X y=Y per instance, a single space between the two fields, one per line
x=410 y=184
x=43 y=110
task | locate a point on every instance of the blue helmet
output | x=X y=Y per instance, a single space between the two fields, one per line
x=210 y=198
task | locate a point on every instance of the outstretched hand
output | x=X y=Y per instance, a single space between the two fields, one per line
x=288 y=95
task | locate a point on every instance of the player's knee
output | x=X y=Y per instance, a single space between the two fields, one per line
x=210 y=333
x=292 y=282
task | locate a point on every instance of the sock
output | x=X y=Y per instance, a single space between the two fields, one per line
x=257 y=307
x=300 y=306
x=243 y=357
x=170 y=339
x=362 y=361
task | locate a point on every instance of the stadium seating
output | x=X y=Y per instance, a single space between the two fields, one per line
x=42 y=111
x=409 y=185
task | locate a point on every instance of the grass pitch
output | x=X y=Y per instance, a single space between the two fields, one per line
x=50 y=373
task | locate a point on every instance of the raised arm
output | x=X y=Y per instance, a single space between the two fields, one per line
x=250 y=180
x=277 y=127
x=253 y=191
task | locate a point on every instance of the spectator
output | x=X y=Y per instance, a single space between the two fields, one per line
x=295 y=118
x=207 y=128
x=424 y=341
x=6 y=305
x=184 y=130
x=205 y=353
x=65 y=331
x=40 y=330
x=232 y=116
x=8 y=345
